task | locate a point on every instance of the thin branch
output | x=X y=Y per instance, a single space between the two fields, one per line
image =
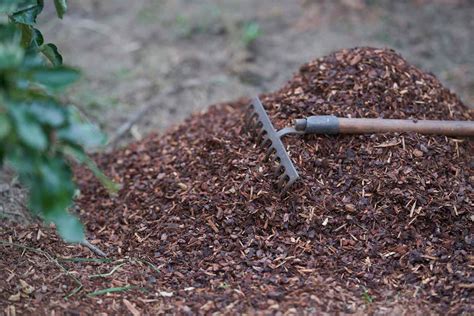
x=93 y=248
x=104 y=275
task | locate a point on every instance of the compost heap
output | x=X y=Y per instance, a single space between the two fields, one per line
x=376 y=223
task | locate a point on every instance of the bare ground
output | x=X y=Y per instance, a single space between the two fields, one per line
x=133 y=51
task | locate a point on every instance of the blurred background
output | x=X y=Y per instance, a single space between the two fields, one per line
x=148 y=64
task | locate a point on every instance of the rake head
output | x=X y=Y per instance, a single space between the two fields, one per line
x=259 y=125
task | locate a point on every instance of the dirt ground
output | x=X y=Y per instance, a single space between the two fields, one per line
x=208 y=51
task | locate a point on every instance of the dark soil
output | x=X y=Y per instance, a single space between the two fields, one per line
x=378 y=223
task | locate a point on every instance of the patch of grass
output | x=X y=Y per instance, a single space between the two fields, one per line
x=205 y=19
x=251 y=31
x=151 y=265
x=149 y=14
x=367 y=297
x=111 y=290
x=123 y=73
x=183 y=26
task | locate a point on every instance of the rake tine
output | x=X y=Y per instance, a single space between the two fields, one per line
x=260 y=135
x=249 y=120
x=250 y=116
x=269 y=151
x=248 y=112
x=258 y=123
x=281 y=180
x=266 y=142
x=279 y=170
x=286 y=187
x=275 y=158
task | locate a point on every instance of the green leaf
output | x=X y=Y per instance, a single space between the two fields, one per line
x=68 y=226
x=11 y=52
x=52 y=189
x=84 y=134
x=11 y=6
x=37 y=38
x=61 y=7
x=48 y=112
x=28 y=15
x=251 y=31
x=32 y=60
x=5 y=125
x=11 y=55
x=8 y=33
x=2 y=155
x=23 y=160
x=56 y=78
x=51 y=194
x=30 y=36
x=82 y=158
x=26 y=35
x=28 y=130
x=8 y=6
x=80 y=132
x=51 y=52
x=31 y=133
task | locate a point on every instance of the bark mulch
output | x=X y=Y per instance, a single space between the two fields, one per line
x=378 y=223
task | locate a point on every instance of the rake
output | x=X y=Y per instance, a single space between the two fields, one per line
x=259 y=125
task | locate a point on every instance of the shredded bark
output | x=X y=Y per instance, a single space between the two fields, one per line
x=377 y=224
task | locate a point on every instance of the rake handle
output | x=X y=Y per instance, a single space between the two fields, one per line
x=329 y=124
x=448 y=128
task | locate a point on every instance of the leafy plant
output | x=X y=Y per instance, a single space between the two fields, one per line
x=367 y=297
x=251 y=31
x=39 y=135
x=184 y=26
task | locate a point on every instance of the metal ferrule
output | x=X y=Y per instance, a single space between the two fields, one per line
x=321 y=124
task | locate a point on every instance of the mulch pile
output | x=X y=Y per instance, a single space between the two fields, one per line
x=378 y=223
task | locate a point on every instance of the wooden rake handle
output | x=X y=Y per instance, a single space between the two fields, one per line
x=330 y=124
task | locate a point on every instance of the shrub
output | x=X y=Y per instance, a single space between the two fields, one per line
x=38 y=135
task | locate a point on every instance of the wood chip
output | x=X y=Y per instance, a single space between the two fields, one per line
x=131 y=308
